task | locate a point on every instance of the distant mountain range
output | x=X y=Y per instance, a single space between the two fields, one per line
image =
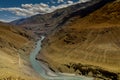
x=45 y=24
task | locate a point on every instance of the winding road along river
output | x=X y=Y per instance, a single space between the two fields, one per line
x=45 y=72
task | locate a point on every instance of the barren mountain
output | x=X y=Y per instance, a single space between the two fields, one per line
x=87 y=45
x=46 y=23
x=15 y=46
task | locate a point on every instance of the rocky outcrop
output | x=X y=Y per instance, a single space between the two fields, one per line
x=94 y=71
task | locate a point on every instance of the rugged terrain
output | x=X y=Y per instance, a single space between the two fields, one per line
x=87 y=45
x=46 y=23
x=15 y=46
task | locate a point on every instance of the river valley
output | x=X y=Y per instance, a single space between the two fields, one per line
x=45 y=72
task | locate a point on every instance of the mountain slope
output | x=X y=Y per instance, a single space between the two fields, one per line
x=41 y=24
x=87 y=46
x=15 y=46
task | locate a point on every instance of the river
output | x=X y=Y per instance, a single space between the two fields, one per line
x=45 y=72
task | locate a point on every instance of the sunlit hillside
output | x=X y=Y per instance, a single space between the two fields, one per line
x=15 y=45
x=87 y=45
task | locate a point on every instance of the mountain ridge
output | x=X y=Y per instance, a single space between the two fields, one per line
x=41 y=24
